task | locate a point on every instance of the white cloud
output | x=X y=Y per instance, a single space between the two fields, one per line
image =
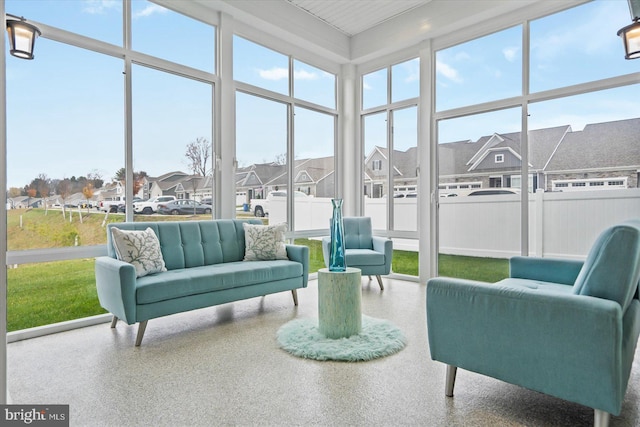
x=511 y=53
x=96 y=7
x=462 y=56
x=366 y=86
x=149 y=10
x=274 y=73
x=304 y=75
x=448 y=72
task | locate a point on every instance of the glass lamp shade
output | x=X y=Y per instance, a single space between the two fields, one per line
x=631 y=39
x=22 y=38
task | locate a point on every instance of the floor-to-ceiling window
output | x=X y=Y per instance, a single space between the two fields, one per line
x=390 y=163
x=68 y=139
x=576 y=148
x=285 y=142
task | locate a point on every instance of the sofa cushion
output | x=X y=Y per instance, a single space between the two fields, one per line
x=357 y=233
x=363 y=257
x=516 y=283
x=612 y=268
x=197 y=280
x=264 y=242
x=140 y=248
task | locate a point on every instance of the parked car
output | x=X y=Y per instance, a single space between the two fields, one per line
x=150 y=206
x=493 y=191
x=183 y=207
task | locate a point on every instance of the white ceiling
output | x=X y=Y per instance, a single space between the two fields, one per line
x=359 y=31
x=355 y=16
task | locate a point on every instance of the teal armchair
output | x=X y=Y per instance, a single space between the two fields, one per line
x=371 y=254
x=565 y=328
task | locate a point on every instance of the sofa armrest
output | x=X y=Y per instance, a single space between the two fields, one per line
x=552 y=270
x=565 y=345
x=300 y=253
x=384 y=245
x=116 y=285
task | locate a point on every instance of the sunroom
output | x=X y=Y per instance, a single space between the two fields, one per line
x=406 y=110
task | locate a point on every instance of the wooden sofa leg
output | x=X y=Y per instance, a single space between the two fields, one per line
x=114 y=321
x=294 y=292
x=141 y=327
x=380 y=282
x=451 y=380
x=600 y=418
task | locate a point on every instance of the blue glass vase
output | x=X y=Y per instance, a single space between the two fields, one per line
x=337 y=261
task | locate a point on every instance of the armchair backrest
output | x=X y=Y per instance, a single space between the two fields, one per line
x=612 y=268
x=358 y=232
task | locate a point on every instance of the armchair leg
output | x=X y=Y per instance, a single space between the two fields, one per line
x=451 y=380
x=380 y=282
x=114 y=321
x=600 y=418
x=294 y=292
x=141 y=327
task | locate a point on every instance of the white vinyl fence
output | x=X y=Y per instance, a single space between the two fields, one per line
x=561 y=224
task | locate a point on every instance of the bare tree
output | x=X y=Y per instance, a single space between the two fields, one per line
x=198 y=155
x=64 y=190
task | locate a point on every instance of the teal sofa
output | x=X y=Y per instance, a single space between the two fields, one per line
x=205 y=267
x=562 y=327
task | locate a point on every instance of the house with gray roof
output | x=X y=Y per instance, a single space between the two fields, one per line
x=560 y=159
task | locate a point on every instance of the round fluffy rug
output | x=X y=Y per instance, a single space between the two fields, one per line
x=378 y=338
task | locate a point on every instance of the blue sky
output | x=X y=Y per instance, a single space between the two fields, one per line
x=65 y=108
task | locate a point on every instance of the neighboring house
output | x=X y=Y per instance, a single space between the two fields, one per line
x=23 y=202
x=582 y=163
x=165 y=185
x=313 y=177
x=376 y=171
x=194 y=187
x=560 y=159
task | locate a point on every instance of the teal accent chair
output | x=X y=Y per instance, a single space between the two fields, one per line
x=565 y=328
x=371 y=254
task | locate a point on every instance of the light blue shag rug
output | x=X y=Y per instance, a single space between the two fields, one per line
x=378 y=338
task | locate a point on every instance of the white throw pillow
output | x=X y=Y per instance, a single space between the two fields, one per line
x=140 y=248
x=264 y=242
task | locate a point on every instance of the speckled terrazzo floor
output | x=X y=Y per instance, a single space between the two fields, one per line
x=222 y=366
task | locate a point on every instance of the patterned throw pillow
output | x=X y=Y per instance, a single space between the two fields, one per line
x=140 y=248
x=264 y=242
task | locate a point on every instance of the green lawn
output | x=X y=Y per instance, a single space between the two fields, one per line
x=45 y=293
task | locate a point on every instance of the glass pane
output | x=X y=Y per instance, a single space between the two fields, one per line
x=314 y=177
x=167 y=124
x=100 y=20
x=376 y=169
x=579 y=45
x=482 y=70
x=314 y=85
x=405 y=162
x=405 y=80
x=259 y=66
x=51 y=292
x=374 y=89
x=64 y=140
x=479 y=213
x=261 y=150
x=189 y=43
x=589 y=147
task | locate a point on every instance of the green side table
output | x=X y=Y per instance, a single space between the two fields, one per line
x=339 y=303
